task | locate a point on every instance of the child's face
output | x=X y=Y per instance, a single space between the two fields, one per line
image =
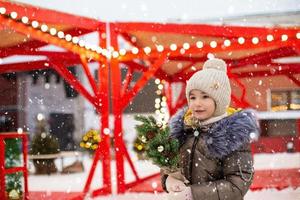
x=201 y=105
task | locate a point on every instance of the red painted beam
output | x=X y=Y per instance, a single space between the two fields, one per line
x=127 y=37
x=127 y=81
x=142 y=81
x=135 y=66
x=268 y=73
x=103 y=150
x=263 y=58
x=20 y=67
x=185 y=70
x=72 y=80
x=239 y=103
x=18 y=49
x=32 y=45
x=296 y=81
x=52 y=54
x=45 y=37
x=181 y=101
x=265 y=70
x=235 y=46
x=205 y=30
x=118 y=107
x=139 y=67
x=168 y=93
x=51 y=16
x=89 y=75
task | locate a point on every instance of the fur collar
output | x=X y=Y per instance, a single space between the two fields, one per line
x=224 y=136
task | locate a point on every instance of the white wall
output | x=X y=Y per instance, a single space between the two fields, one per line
x=38 y=99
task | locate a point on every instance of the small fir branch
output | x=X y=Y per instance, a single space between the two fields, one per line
x=160 y=148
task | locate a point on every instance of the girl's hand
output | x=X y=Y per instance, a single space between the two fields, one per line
x=174 y=185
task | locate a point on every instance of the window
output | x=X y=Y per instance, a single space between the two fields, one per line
x=279 y=127
x=285 y=100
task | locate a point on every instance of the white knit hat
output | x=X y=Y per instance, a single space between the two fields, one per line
x=212 y=80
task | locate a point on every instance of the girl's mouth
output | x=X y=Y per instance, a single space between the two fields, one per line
x=199 y=111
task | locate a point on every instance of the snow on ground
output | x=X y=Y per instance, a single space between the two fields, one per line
x=75 y=182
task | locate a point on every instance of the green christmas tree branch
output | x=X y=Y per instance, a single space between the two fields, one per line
x=160 y=148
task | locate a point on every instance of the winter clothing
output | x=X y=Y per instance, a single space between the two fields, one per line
x=212 y=80
x=216 y=158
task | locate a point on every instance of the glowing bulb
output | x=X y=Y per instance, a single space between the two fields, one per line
x=2 y=10
x=53 y=31
x=93 y=47
x=199 y=44
x=160 y=86
x=20 y=130
x=115 y=54
x=186 y=46
x=75 y=40
x=284 y=37
x=270 y=38
x=157 y=81
x=213 y=44
x=99 y=49
x=135 y=50
x=106 y=131
x=40 y=117
x=159 y=48
x=173 y=47
x=227 y=43
x=13 y=15
x=255 y=40
x=241 y=40
x=147 y=50
x=47 y=86
x=104 y=52
x=34 y=24
x=68 y=37
x=25 y=20
x=60 y=34
x=44 y=28
x=122 y=52
x=298 y=35
x=210 y=56
x=88 y=46
x=81 y=43
x=157 y=100
x=182 y=51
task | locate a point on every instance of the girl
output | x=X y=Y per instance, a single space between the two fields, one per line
x=216 y=160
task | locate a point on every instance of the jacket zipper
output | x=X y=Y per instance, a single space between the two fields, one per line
x=192 y=157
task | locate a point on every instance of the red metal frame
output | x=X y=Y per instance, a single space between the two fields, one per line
x=51 y=16
x=4 y=171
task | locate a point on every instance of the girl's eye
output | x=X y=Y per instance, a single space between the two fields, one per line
x=205 y=96
x=192 y=97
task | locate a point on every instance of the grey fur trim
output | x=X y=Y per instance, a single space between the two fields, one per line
x=231 y=133
x=224 y=136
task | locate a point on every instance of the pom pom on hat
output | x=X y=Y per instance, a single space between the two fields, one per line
x=212 y=80
x=215 y=63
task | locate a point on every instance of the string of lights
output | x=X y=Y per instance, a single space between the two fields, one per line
x=183 y=49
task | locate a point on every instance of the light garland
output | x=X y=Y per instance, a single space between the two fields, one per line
x=110 y=53
x=160 y=104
